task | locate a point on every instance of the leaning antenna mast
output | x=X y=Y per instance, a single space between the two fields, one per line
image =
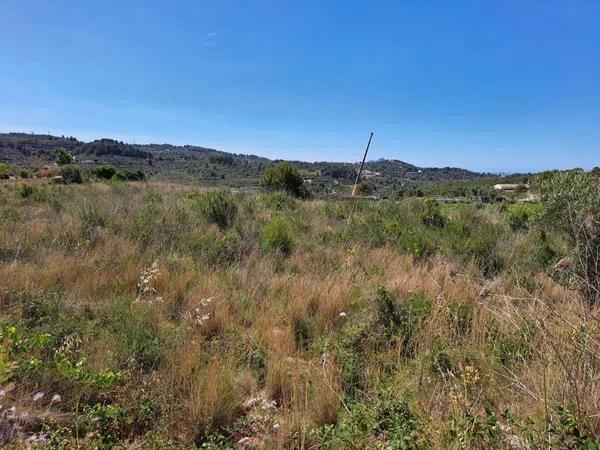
x=362 y=165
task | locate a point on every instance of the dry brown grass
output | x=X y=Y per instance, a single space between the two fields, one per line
x=252 y=343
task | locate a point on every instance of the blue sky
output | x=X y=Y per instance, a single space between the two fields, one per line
x=509 y=85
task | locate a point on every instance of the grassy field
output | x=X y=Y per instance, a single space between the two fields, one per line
x=151 y=315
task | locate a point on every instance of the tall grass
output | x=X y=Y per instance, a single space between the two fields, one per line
x=287 y=324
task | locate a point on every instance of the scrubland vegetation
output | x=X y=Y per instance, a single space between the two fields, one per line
x=149 y=315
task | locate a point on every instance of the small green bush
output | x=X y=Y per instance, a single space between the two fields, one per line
x=283 y=177
x=25 y=190
x=137 y=175
x=106 y=172
x=217 y=207
x=520 y=217
x=365 y=188
x=5 y=172
x=572 y=207
x=64 y=157
x=277 y=237
x=91 y=220
x=137 y=336
x=431 y=214
x=279 y=201
x=143 y=227
x=71 y=173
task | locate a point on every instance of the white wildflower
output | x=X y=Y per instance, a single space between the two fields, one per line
x=11 y=412
x=144 y=286
x=206 y=301
x=244 y=441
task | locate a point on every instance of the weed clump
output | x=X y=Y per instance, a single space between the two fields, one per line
x=217 y=207
x=71 y=173
x=284 y=177
x=276 y=236
x=431 y=215
x=26 y=190
x=520 y=217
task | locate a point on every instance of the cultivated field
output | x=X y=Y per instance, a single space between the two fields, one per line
x=148 y=315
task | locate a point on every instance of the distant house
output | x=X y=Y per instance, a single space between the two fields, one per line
x=511 y=187
x=370 y=174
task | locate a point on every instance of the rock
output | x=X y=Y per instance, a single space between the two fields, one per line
x=563 y=264
x=58 y=179
x=488 y=288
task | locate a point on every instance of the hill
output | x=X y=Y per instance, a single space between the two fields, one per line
x=205 y=165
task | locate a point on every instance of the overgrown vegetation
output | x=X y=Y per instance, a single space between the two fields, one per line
x=159 y=316
x=283 y=177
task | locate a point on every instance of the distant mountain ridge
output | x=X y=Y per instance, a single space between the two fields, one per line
x=201 y=163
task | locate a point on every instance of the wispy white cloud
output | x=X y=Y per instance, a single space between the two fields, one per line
x=210 y=39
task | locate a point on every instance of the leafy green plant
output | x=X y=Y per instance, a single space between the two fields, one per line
x=92 y=220
x=71 y=173
x=472 y=431
x=5 y=171
x=108 y=423
x=365 y=188
x=279 y=201
x=431 y=214
x=63 y=156
x=520 y=217
x=106 y=172
x=283 y=177
x=217 y=207
x=25 y=190
x=388 y=416
x=276 y=236
x=572 y=206
x=137 y=335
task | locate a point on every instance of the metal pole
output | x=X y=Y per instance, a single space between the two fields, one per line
x=362 y=165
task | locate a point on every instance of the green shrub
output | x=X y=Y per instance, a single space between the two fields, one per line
x=145 y=222
x=91 y=220
x=106 y=172
x=283 y=177
x=471 y=431
x=137 y=175
x=108 y=423
x=431 y=214
x=217 y=207
x=387 y=415
x=25 y=190
x=279 y=201
x=277 y=237
x=364 y=188
x=215 y=248
x=5 y=172
x=64 y=157
x=520 y=217
x=401 y=317
x=71 y=173
x=40 y=308
x=474 y=239
x=572 y=207
x=514 y=347
x=389 y=317
x=136 y=335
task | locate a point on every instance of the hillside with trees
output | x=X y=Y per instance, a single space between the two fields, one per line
x=212 y=167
